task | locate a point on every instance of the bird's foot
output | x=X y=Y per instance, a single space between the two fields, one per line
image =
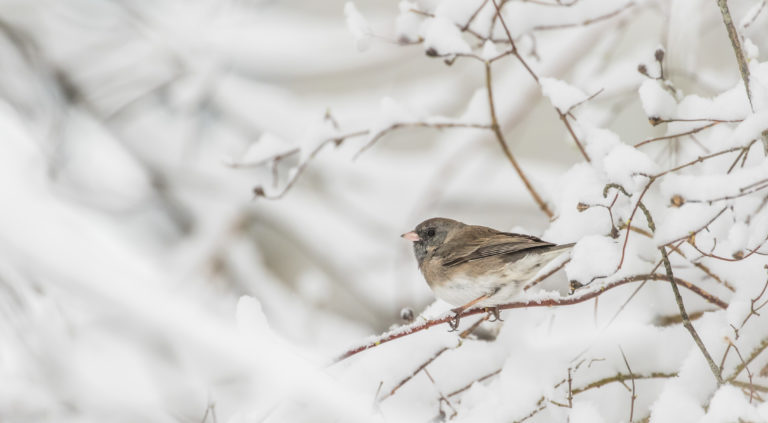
x=495 y=313
x=454 y=322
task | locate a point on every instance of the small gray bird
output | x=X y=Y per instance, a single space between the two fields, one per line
x=467 y=265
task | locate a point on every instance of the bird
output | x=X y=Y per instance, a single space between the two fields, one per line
x=477 y=266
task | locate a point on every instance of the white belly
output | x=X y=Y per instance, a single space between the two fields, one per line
x=502 y=286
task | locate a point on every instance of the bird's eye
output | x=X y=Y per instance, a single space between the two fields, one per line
x=431 y=232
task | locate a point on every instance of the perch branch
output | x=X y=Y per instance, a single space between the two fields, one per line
x=549 y=302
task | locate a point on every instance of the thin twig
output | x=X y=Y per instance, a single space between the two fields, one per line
x=746 y=367
x=753 y=311
x=733 y=35
x=500 y=138
x=545 y=276
x=434 y=357
x=679 y=299
x=746 y=25
x=634 y=395
x=672 y=136
x=564 y=118
x=339 y=139
x=668 y=268
x=440 y=393
x=699 y=159
x=474 y=15
x=631 y=216
x=657 y=121
x=585 y=22
x=752 y=356
x=739 y=257
x=512 y=43
x=469 y=385
x=701 y=228
x=621 y=377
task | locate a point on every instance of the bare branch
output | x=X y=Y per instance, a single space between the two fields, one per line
x=339 y=139
x=634 y=395
x=736 y=43
x=469 y=385
x=679 y=299
x=752 y=356
x=429 y=361
x=672 y=136
x=500 y=138
x=585 y=22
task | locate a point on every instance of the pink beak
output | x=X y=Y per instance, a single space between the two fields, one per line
x=411 y=236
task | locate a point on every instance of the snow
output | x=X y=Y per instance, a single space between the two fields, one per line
x=316 y=135
x=728 y=105
x=656 y=101
x=599 y=142
x=752 y=13
x=562 y=95
x=680 y=222
x=358 y=26
x=477 y=108
x=457 y=11
x=585 y=412
x=581 y=184
x=713 y=187
x=444 y=38
x=629 y=167
x=729 y=403
x=489 y=51
x=266 y=148
x=132 y=257
x=751 y=51
x=737 y=311
x=676 y=405
x=390 y=113
x=593 y=255
x=750 y=129
x=738 y=236
x=408 y=23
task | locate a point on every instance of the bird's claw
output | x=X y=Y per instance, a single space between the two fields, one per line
x=495 y=313
x=454 y=322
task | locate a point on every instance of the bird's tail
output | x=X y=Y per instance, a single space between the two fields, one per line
x=560 y=247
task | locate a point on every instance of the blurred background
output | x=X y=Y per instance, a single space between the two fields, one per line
x=129 y=229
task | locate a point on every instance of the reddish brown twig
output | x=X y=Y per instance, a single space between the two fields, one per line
x=550 y=302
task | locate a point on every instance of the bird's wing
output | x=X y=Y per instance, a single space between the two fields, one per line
x=491 y=244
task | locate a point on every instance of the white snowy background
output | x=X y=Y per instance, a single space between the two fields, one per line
x=201 y=202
